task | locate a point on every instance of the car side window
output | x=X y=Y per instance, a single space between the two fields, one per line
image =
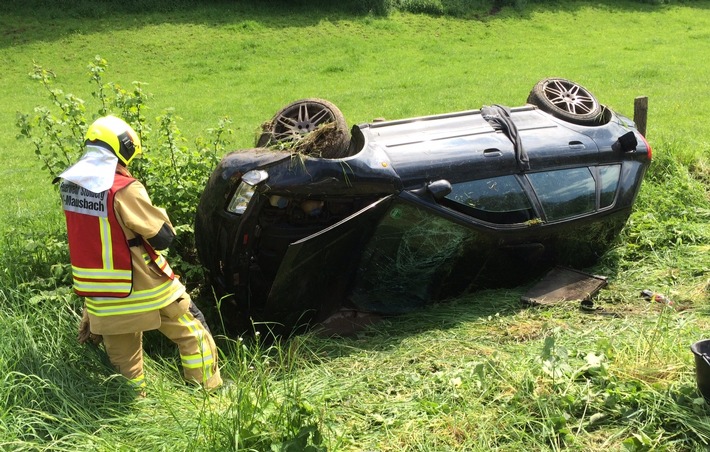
x=609 y=181
x=565 y=193
x=499 y=200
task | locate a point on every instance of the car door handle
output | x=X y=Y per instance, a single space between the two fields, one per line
x=492 y=152
x=577 y=145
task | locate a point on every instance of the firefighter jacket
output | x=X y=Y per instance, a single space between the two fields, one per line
x=125 y=281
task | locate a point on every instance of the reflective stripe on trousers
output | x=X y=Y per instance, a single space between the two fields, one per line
x=198 y=351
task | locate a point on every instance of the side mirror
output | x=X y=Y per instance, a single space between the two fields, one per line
x=626 y=143
x=439 y=188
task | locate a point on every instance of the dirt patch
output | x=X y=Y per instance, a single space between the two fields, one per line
x=346 y=322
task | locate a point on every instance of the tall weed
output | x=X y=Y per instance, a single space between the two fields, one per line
x=672 y=210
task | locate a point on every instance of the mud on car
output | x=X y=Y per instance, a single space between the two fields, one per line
x=391 y=215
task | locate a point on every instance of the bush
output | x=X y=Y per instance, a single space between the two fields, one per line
x=173 y=172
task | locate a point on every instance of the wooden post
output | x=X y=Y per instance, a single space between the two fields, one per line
x=641 y=113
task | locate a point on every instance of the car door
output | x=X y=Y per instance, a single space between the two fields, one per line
x=416 y=255
x=316 y=271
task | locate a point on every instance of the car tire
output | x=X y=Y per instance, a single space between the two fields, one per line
x=568 y=101
x=298 y=119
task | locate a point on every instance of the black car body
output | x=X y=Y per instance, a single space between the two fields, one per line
x=417 y=210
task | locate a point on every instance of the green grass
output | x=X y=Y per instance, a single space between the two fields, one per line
x=477 y=373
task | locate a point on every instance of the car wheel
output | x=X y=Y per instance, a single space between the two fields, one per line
x=293 y=123
x=568 y=101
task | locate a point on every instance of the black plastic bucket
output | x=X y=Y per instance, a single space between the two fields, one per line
x=701 y=350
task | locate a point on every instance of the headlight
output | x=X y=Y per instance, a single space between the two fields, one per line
x=240 y=200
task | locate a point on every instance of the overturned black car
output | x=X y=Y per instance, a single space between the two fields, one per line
x=392 y=215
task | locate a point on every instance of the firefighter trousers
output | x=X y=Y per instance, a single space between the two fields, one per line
x=198 y=351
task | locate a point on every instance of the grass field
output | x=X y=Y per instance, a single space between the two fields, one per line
x=481 y=372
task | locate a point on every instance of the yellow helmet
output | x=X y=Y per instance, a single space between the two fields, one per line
x=115 y=135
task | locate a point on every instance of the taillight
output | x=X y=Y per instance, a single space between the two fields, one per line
x=649 y=152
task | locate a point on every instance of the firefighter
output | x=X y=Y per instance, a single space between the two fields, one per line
x=115 y=239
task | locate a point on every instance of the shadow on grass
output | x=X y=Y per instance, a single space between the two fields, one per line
x=27 y=21
x=497 y=295
x=389 y=331
x=442 y=316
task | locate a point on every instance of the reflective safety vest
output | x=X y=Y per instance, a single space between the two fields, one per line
x=98 y=249
x=100 y=254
